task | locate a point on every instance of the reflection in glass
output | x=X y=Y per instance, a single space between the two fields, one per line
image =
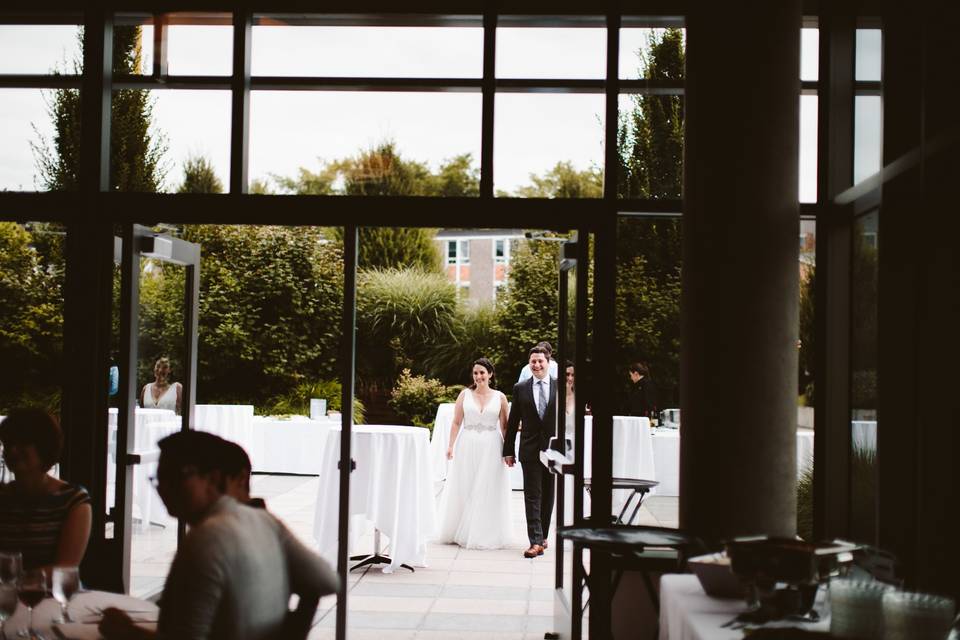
x=867 y=136
x=41 y=49
x=551 y=52
x=200 y=45
x=869 y=54
x=863 y=364
x=548 y=145
x=365 y=143
x=385 y=52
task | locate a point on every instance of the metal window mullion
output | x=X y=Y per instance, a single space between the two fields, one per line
x=489 y=97
x=240 y=101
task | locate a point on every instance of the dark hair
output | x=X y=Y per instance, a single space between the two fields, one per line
x=36 y=428
x=539 y=350
x=486 y=364
x=547 y=347
x=199 y=449
x=234 y=460
x=640 y=368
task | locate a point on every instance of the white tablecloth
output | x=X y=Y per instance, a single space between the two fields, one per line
x=392 y=487
x=441 y=439
x=666 y=453
x=151 y=426
x=230 y=421
x=687 y=613
x=632 y=457
x=288 y=446
x=864 y=434
x=81 y=611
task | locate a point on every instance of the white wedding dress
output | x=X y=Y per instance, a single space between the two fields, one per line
x=475 y=504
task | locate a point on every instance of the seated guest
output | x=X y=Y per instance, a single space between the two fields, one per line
x=45 y=519
x=236 y=468
x=234 y=572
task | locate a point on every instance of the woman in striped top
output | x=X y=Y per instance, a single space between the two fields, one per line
x=45 y=519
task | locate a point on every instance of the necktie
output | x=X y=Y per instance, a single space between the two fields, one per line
x=543 y=399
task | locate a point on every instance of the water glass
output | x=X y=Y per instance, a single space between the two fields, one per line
x=11 y=564
x=856 y=609
x=65 y=583
x=32 y=591
x=916 y=616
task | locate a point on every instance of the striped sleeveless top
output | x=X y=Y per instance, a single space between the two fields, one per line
x=32 y=525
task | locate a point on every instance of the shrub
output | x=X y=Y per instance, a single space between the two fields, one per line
x=473 y=336
x=297 y=400
x=415 y=398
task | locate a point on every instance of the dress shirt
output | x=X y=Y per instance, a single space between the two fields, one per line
x=526 y=373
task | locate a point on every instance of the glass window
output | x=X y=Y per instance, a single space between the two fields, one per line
x=650 y=148
x=808 y=147
x=464 y=254
x=196 y=44
x=869 y=54
x=366 y=143
x=41 y=48
x=451 y=251
x=39 y=139
x=281 y=49
x=867 y=136
x=500 y=250
x=638 y=48
x=810 y=54
x=574 y=53
x=548 y=145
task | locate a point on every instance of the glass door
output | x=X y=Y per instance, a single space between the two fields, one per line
x=156 y=395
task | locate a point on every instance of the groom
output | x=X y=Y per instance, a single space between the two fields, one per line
x=535 y=405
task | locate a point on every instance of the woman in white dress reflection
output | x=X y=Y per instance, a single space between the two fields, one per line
x=475 y=505
x=161 y=394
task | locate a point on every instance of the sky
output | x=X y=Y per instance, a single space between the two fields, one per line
x=296 y=129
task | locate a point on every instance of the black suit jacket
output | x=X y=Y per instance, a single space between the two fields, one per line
x=536 y=433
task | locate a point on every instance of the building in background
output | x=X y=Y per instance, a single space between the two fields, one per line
x=477 y=261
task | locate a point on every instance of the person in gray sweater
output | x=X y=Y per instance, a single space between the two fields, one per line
x=233 y=575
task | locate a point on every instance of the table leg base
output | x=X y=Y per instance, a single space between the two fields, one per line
x=375 y=559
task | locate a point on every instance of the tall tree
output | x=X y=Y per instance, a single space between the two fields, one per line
x=136 y=155
x=199 y=177
x=564 y=181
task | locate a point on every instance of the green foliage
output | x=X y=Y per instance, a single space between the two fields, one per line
x=31 y=315
x=395 y=248
x=297 y=400
x=136 y=154
x=400 y=314
x=199 y=177
x=473 y=335
x=807 y=334
x=415 y=398
x=564 y=181
x=527 y=308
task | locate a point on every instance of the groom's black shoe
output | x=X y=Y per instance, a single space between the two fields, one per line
x=534 y=551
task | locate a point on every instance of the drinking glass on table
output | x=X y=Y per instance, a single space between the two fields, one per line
x=8 y=604
x=32 y=591
x=65 y=583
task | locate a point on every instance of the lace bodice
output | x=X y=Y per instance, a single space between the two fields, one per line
x=477 y=418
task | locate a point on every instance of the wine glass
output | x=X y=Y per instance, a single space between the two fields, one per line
x=8 y=604
x=66 y=582
x=33 y=589
x=10 y=566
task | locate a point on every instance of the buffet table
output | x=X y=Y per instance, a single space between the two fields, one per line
x=288 y=446
x=391 y=487
x=83 y=610
x=687 y=613
x=440 y=440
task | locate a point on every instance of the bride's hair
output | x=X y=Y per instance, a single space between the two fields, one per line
x=486 y=364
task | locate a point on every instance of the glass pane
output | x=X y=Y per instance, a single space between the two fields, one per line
x=809 y=54
x=197 y=44
x=639 y=47
x=354 y=143
x=651 y=146
x=551 y=52
x=863 y=400
x=171 y=141
x=388 y=52
x=869 y=54
x=867 y=136
x=39 y=139
x=808 y=148
x=648 y=358
x=548 y=145
x=35 y=48
x=805 y=390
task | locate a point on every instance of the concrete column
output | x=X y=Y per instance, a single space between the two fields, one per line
x=738 y=374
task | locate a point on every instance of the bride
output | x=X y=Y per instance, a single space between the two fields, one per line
x=475 y=505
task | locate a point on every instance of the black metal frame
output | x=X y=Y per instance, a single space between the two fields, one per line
x=84 y=405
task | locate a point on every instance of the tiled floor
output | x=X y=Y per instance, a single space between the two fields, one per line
x=463 y=594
